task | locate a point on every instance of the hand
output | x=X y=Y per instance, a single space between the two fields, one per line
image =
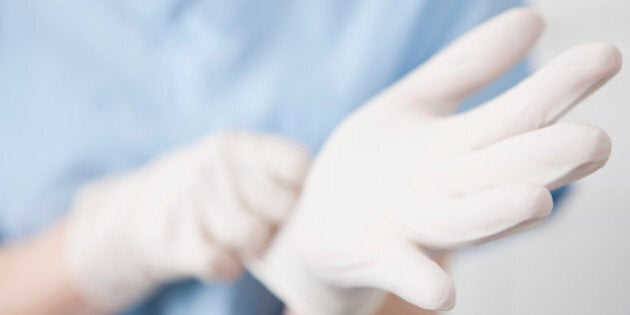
x=191 y=213
x=402 y=178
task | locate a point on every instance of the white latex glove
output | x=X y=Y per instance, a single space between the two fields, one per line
x=190 y=213
x=403 y=178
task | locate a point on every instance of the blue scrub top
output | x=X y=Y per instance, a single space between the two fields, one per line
x=94 y=87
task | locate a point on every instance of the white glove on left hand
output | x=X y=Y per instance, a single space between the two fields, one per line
x=191 y=213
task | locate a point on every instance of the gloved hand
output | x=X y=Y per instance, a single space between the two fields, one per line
x=190 y=213
x=402 y=178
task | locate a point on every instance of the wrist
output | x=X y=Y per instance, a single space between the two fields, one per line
x=100 y=261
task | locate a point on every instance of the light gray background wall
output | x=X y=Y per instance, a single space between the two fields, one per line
x=579 y=261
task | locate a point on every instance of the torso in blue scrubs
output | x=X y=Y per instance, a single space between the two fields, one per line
x=94 y=87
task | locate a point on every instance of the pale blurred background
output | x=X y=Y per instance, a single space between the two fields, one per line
x=579 y=261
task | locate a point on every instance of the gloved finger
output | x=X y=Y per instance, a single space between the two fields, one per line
x=205 y=257
x=222 y=265
x=264 y=172
x=544 y=97
x=550 y=157
x=405 y=271
x=269 y=172
x=288 y=162
x=471 y=62
x=226 y=222
x=479 y=217
x=216 y=263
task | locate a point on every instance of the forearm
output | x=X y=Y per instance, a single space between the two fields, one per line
x=34 y=279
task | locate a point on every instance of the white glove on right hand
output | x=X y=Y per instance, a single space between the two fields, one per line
x=400 y=180
x=190 y=213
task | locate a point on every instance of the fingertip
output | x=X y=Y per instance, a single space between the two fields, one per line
x=213 y=263
x=527 y=16
x=439 y=295
x=288 y=161
x=537 y=201
x=594 y=143
x=584 y=149
x=223 y=268
x=410 y=274
x=437 y=291
x=255 y=239
x=605 y=146
x=608 y=57
x=599 y=143
x=443 y=296
x=248 y=236
x=597 y=61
